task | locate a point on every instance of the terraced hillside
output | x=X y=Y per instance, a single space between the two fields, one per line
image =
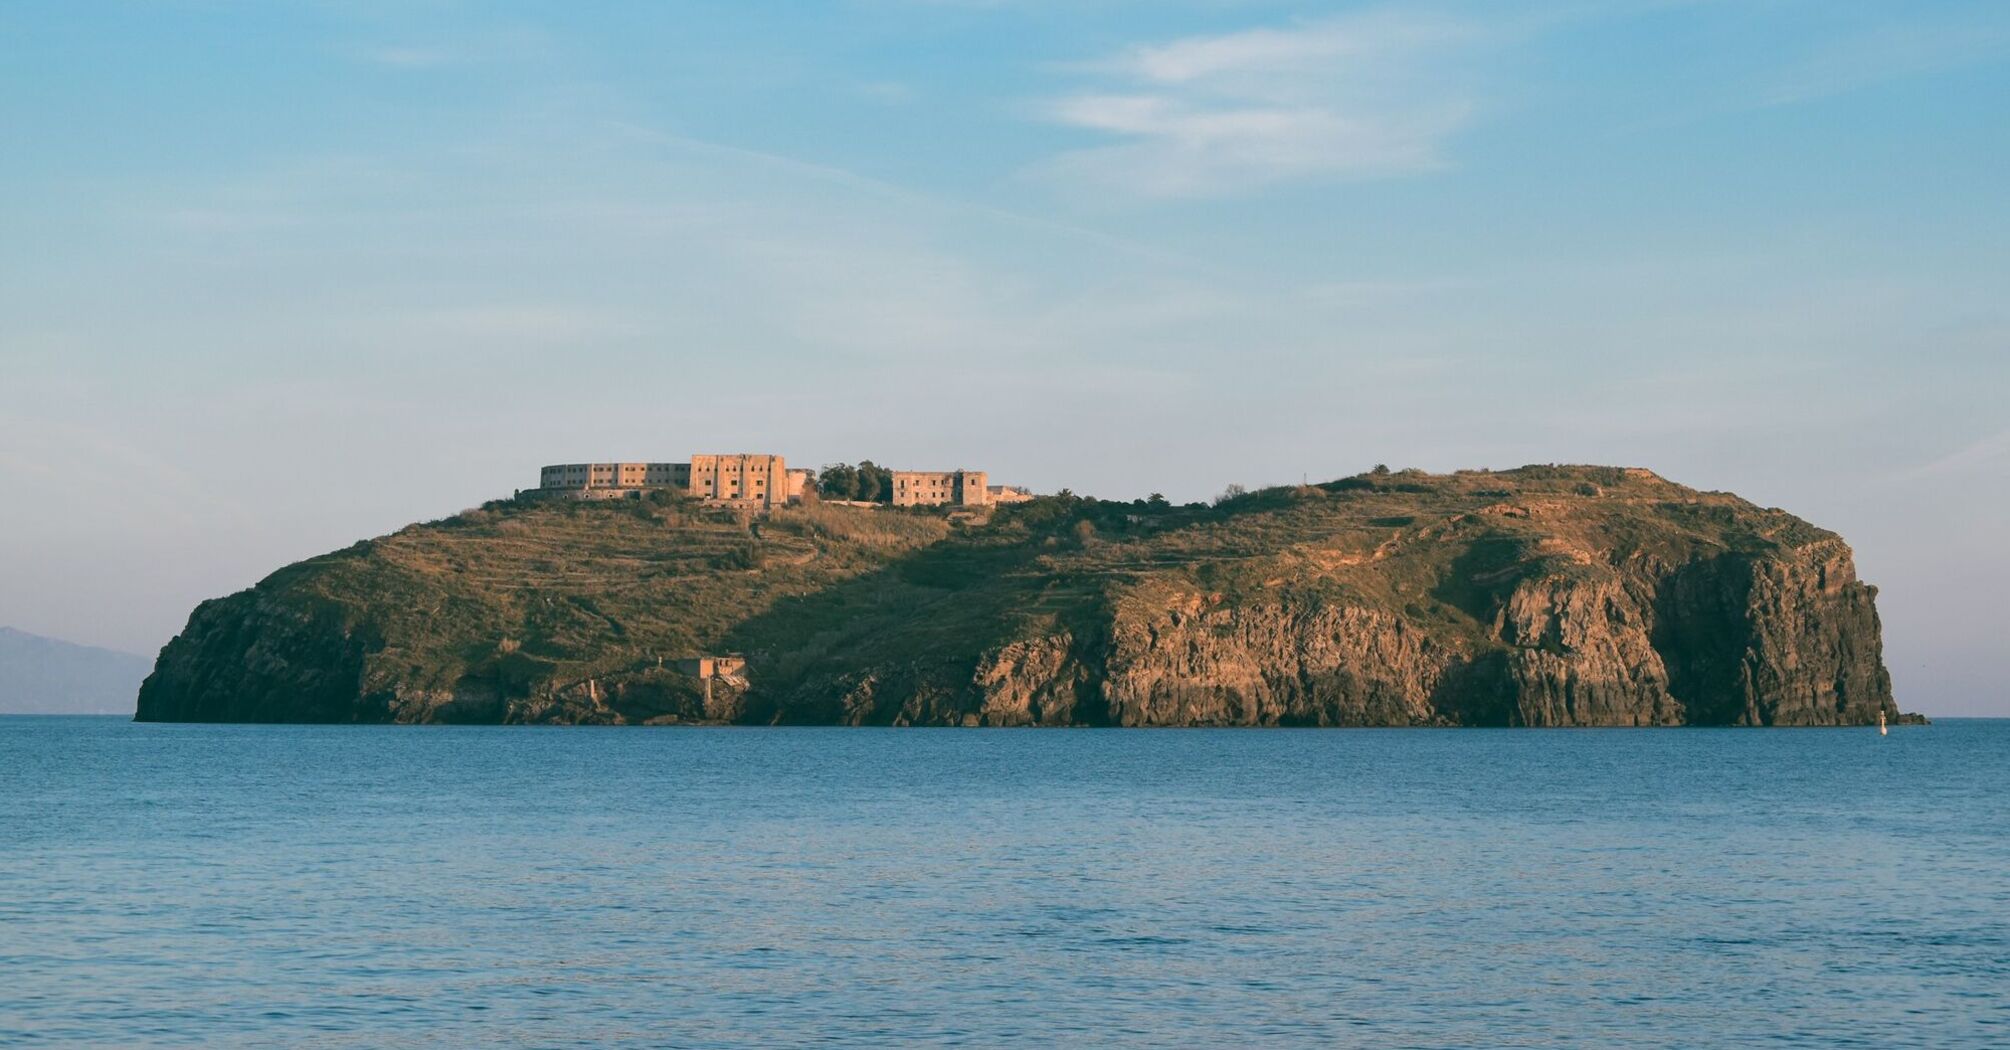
x=536 y=612
x=1540 y=596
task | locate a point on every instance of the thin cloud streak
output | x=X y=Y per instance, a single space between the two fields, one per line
x=1883 y=54
x=500 y=44
x=1974 y=456
x=1357 y=97
x=1309 y=48
x=894 y=191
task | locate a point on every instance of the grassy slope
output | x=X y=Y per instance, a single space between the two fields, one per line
x=562 y=591
x=1439 y=549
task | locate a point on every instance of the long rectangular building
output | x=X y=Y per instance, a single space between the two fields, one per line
x=615 y=476
x=755 y=478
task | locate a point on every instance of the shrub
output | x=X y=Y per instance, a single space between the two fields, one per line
x=749 y=555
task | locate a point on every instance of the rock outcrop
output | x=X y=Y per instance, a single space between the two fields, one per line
x=1548 y=596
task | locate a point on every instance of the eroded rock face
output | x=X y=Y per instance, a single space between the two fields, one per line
x=1272 y=664
x=1594 y=598
x=1039 y=681
x=1776 y=642
x=1580 y=654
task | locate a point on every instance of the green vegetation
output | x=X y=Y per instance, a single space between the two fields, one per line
x=866 y=482
x=555 y=590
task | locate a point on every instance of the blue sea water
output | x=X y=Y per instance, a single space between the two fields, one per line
x=377 y=886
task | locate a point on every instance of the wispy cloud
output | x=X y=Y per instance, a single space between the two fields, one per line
x=1310 y=48
x=408 y=57
x=1363 y=96
x=502 y=44
x=1905 y=48
x=534 y=323
x=1974 y=456
x=889 y=92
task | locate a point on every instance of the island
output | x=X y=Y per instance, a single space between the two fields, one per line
x=1542 y=596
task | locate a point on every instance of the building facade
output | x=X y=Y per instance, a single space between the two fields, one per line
x=740 y=478
x=935 y=488
x=610 y=480
x=753 y=478
x=713 y=666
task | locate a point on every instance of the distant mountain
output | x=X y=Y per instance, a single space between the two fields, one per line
x=44 y=676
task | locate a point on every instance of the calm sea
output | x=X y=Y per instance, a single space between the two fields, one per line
x=367 y=887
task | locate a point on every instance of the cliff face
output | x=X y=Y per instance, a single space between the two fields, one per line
x=1725 y=641
x=1542 y=597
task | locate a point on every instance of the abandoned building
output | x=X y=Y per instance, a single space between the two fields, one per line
x=731 y=665
x=934 y=488
x=760 y=480
x=755 y=479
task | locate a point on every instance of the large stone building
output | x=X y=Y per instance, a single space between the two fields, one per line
x=742 y=478
x=932 y=488
x=748 y=478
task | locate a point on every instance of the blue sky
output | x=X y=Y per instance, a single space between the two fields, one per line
x=277 y=276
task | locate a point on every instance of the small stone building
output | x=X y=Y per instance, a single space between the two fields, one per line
x=727 y=666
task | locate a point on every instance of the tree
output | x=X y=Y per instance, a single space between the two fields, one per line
x=1229 y=493
x=1380 y=470
x=1157 y=501
x=875 y=483
x=838 y=481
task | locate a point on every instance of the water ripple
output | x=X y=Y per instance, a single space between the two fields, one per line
x=363 y=887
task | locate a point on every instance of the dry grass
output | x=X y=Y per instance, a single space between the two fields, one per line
x=541 y=594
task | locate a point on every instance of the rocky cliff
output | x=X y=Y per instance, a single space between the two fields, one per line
x=1546 y=596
